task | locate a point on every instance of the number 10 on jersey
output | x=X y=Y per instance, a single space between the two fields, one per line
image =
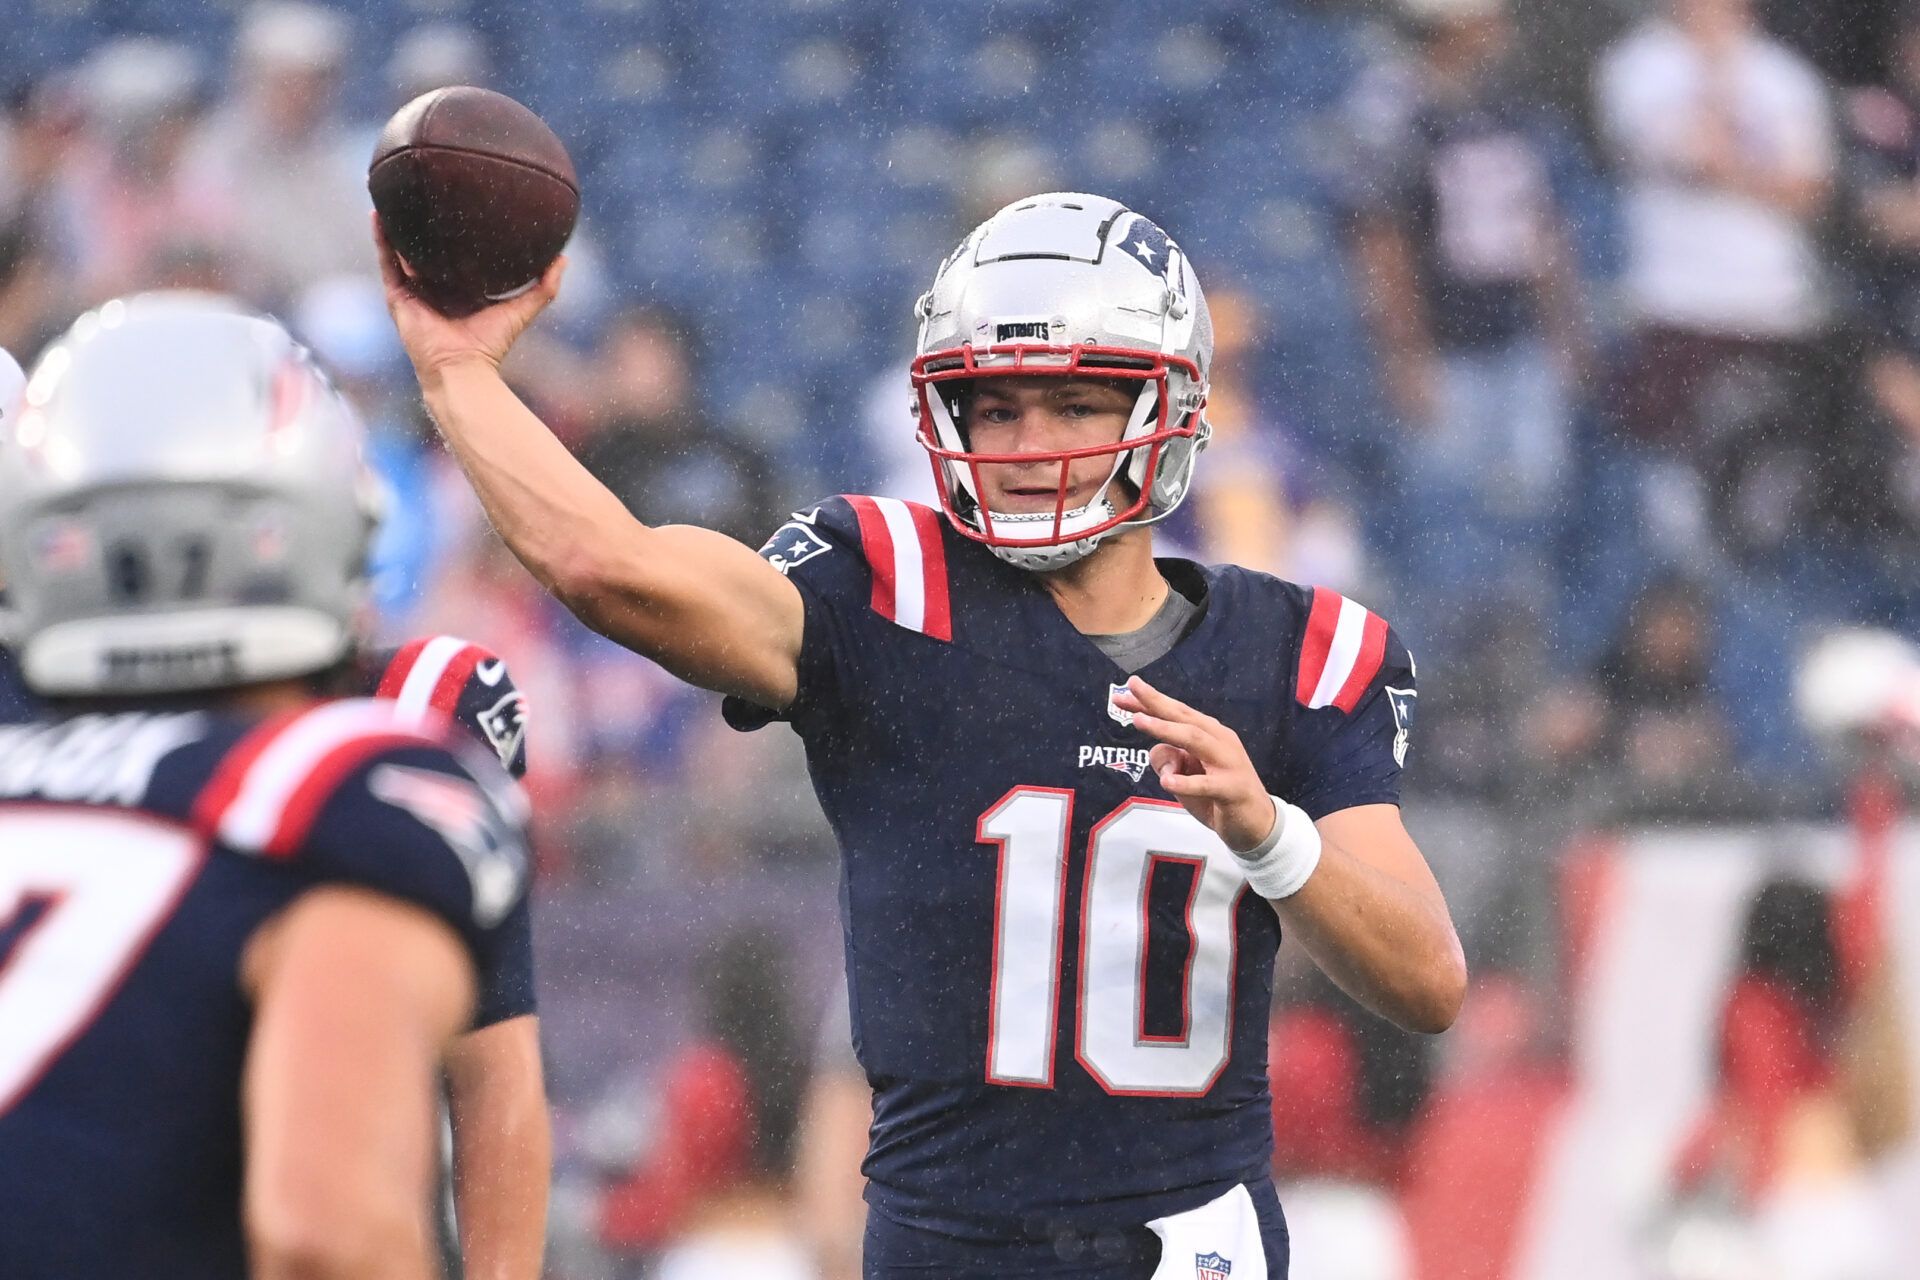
x=1032 y=827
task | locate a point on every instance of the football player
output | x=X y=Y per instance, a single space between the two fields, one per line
x=495 y=1086
x=242 y=923
x=1078 y=790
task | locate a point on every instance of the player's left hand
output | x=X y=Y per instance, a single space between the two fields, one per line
x=1203 y=764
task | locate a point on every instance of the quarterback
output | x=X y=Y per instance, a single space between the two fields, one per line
x=1079 y=791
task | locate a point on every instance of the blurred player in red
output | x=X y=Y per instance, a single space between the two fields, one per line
x=242 y=924
x=1077 y=789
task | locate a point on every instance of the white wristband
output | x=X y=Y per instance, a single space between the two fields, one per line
x=1280 y=864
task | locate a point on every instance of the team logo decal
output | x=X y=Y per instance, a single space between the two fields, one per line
x=1148 y=245
x=795 y=542
x=1211 y=1266
x=1402 y=702
x=1120 y=717
x=1131 y=761
x=505 y=724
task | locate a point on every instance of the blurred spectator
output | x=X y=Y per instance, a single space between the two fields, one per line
x=1475 y=1151
x=1776 y=1152
x=344 y=320
x=38 y=129
x=133 y=214
x=1346 y=1088
x=1883 y=129
x=1664 y=730
x=708 y=1197
x=278 y=153
x=655 y=446
x=835 y=1116
x=434 y=55
x=1723 y=140
x=1244 y=502
x=1471 y=280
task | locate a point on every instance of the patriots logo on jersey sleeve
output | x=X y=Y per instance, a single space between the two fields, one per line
x=793 y=544
x=505 y=724
x=1211 y=1266
x=1402 y=703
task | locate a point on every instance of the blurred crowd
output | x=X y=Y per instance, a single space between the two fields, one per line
x=1628 y=411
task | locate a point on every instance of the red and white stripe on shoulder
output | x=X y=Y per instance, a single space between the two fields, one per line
x=271 y=787
x=1341 y=652
x=430 y=672
x=904 y=547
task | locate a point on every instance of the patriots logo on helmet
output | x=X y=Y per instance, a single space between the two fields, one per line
x=1211 y=1266
x=1148 y=245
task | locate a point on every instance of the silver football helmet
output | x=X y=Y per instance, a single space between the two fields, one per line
x=184 y=504
x=1069 y=285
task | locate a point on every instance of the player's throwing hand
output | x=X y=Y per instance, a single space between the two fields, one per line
x=435 y=342
x=1203 y=764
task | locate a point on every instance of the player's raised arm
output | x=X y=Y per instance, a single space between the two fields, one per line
x=357 y=997
x=695 y=601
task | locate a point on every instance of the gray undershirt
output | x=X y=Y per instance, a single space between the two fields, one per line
x=1132 y=650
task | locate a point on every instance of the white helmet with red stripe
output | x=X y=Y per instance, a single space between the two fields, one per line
x=184 y=504
x=1067 y=285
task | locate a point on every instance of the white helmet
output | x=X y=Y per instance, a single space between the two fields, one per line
x=1068 y=285
x=184 y=504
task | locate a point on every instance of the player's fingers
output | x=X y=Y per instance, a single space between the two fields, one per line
x=1157 y=703
x=1163 y=757
x=1194 y=786
x=1192 y=737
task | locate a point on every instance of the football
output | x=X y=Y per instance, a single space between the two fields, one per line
x=475 y=193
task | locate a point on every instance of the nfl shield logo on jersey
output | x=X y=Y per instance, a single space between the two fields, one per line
x=1211 y=1266
x=1124 y=718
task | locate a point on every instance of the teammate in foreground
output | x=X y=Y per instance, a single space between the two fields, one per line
x=495 y=1087
x=240 y=925
x=1063 y=773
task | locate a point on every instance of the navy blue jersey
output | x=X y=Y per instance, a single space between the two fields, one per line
x=456 y=678
x=471 y=685
x=1059 y=979
x=139 y=853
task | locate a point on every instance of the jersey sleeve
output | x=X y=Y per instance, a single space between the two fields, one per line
x=464 y=681
x=360 y=793
x=1352 y=701
x=860 y=563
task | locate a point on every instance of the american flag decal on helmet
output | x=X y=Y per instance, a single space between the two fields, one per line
x=1341 y=653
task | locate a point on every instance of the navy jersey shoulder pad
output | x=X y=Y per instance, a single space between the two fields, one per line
x=885 y=554
x=360 y=791
x=467 y=682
